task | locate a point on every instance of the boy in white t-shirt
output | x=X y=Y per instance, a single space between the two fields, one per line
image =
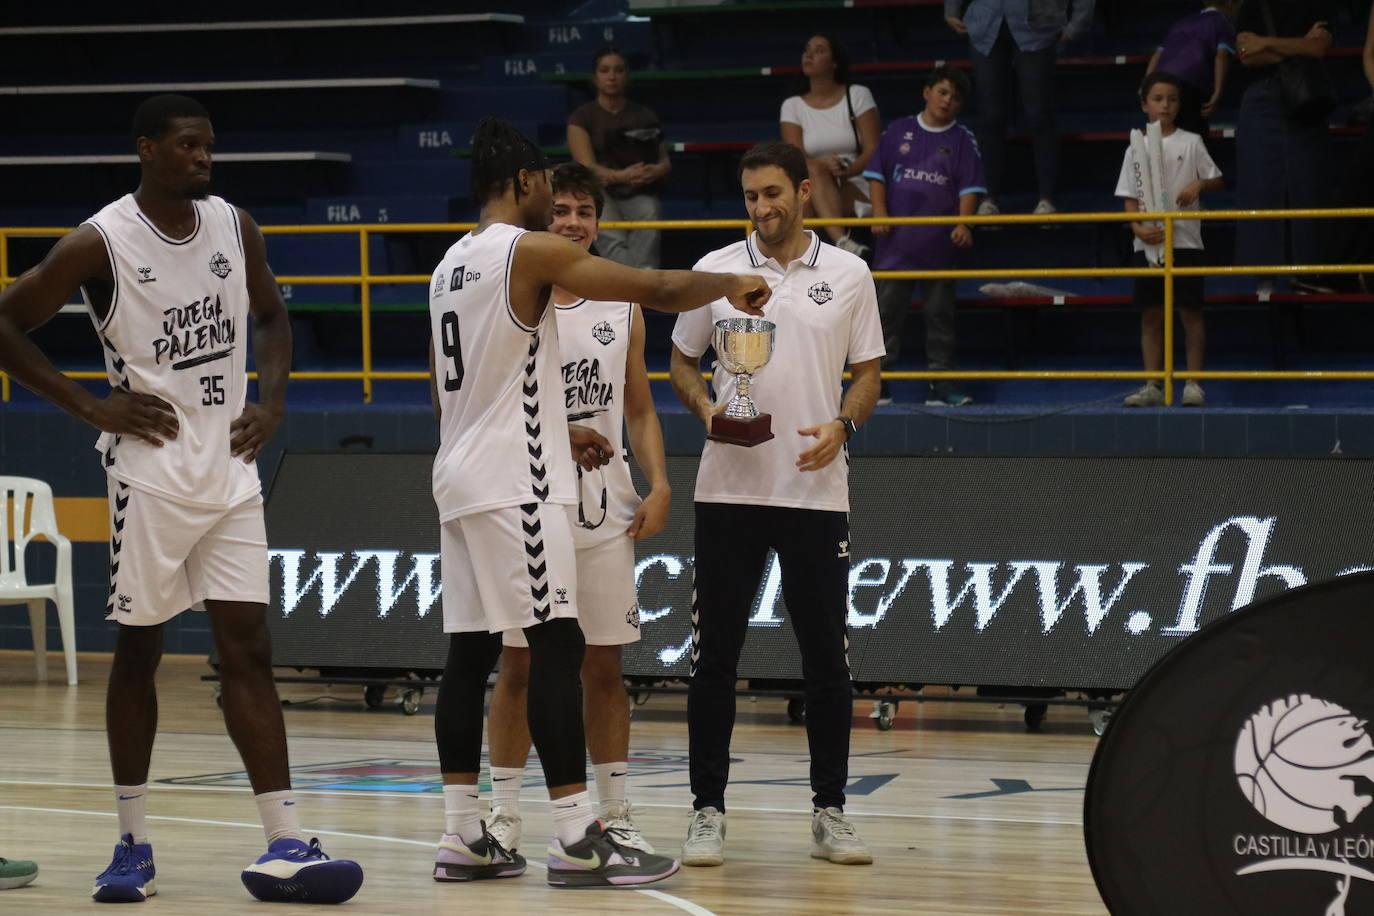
x=1188 y=172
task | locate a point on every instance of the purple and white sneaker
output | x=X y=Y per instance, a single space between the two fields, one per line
x=293 y=872
x=129 y=879
x=601 y=859
x=486 y=858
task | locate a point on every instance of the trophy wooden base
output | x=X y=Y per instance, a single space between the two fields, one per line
x=747 y=433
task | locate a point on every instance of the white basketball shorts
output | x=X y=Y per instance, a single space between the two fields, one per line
x=507 y=568
x=166 y=557
x=607 y=603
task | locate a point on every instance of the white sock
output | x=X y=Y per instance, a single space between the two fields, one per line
x=132 y=804
x=462 y=813
x=505 y=787
x=610 y=782
x=572 y=816
x=277 y=810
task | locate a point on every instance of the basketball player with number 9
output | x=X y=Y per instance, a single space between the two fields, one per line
x=606 y=387
x=503 y=481
x=171 y=276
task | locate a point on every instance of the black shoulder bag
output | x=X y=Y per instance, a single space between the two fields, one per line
x=1304 y=83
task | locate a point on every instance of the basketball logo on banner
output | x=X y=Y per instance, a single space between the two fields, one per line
x=1239 y=775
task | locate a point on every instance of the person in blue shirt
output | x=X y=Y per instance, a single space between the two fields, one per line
x=1021 y=36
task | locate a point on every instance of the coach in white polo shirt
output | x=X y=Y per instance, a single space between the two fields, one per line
x=790 y=494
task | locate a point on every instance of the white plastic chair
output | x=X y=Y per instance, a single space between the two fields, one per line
x=26 y=510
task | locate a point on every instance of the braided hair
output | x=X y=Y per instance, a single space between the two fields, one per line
x=499 y=152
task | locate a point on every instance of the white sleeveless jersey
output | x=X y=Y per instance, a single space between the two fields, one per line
x=503 y=438
x=594 y=339
x=178 y=328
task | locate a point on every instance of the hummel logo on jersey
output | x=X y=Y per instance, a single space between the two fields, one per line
x=821 y=293
x=126 y=602
x=145 y=275
x=560 y=596
x=632 y=615
x=844 y=549
x=219 y=265
x=604 y=333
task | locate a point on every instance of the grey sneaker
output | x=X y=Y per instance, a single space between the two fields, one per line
x=705 y=843
x=505 y=826
x=601 y=859
x=458 y=861
x=855 y=248
x=1149 y=395
x=627 y=833
x=1192 y=395
x=833 y=837
x=1045 y=208
x=16 y=873
x=988 y=207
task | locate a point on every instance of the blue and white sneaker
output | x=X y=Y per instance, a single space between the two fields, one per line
x=293 y=872
x=129 y=879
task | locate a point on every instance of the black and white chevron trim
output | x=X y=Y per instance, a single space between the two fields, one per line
x=535 y=561
x=122 y=378
x=539 y=474
x=696 y=627
x=118 y=510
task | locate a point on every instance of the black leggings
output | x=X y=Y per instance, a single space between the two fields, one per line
x=732 y=543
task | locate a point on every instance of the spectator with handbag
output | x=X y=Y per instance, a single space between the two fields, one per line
x=836 y=124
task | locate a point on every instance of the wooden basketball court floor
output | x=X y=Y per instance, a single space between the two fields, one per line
x=965 y=812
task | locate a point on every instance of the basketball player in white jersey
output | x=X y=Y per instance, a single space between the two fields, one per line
x=606 y=387
x=171 y=276
x=503 y=480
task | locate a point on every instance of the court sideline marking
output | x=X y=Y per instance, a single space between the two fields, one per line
x=686 y=906
x=902 y=815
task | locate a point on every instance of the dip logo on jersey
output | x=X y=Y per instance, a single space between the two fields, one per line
x=821 y=293
x=438 y=285
x=583 y=388
x=603 y=333
x=219 y=265
x=194 y=334
x=461 y=275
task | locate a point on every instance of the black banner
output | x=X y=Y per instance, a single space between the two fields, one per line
x=1027 y=571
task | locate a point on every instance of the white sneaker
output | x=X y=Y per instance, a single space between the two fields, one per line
x=705 y=843
x=834 y=838
x=1149 y=395
x=505 y=827
x=989 y=207
x=1045 y=208
x=627 y=833
x=855 y=248
x=1192 y=395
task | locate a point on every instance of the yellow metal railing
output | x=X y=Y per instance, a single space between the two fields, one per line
x=365 y=279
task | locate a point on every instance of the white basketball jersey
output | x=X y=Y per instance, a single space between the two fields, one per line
x=594 y=339
x=178 y=328
x=503 y=437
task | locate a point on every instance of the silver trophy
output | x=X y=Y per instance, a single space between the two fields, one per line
x=743 y=346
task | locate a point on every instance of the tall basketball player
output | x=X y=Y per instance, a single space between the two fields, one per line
x=171 y=276
x=606 y=387
x=503 y=482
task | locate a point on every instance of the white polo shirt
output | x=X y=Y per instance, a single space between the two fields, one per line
x=826 y=310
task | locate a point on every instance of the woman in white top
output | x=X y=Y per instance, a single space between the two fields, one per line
x=837 y=125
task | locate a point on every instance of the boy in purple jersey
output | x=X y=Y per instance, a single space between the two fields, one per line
x=1198 y=50
x=927 y=165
